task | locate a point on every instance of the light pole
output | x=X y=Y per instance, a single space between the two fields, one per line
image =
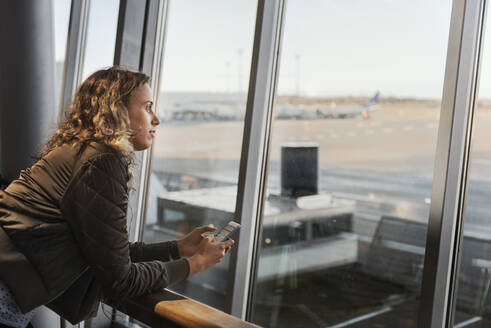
x=239 y=53
x=297 y=75
x=227 y=65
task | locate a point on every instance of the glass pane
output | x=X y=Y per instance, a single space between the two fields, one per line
x=101 y=36
x=473 y=307
x=197 y=149
x=351 y=164
x=62 y=17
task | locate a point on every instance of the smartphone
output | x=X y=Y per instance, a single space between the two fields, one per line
x=226 y=232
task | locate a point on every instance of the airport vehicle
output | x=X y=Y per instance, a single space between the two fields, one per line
x=207 y=112
x=294 y=112
x=201 y=107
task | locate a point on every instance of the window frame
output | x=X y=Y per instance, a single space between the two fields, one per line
x=440 y=274
x=255 y=153
x=75 y=53
x=451 y=157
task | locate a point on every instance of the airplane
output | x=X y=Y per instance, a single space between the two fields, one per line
x=346 y=112
x=234 y=110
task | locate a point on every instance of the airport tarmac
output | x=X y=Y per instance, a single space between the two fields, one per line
x=386 y=159
x=398 y=137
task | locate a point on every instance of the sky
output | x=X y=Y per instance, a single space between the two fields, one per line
x=101 y=33
x=329 y=47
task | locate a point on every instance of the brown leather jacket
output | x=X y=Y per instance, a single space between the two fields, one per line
x=63 y=236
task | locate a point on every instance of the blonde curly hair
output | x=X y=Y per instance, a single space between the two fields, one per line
x=99 y=112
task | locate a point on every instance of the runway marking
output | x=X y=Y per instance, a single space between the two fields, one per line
x=408 y=128
x=362 y=317
x=467 y=322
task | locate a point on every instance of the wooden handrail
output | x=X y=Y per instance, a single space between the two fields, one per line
x=168 y=309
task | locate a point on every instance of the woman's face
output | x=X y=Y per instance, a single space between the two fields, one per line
x=143 y=120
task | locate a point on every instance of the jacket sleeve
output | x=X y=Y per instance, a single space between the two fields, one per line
x=140 y=252
x=94 y=205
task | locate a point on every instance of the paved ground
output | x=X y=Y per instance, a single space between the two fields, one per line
x=397 y=137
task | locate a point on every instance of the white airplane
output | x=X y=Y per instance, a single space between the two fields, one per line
x=345 y=112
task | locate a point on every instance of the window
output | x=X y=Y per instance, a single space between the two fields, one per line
x=351 y=164
x=101 y=36
x=61 y=19
x=196 y=153
x=472 y=299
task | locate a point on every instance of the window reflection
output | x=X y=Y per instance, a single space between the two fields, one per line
x=101 y=36
x=473 y=307
x=61 y=20
x=197 y=149
x=351 y=164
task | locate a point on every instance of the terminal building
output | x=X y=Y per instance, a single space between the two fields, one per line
x=350 y=140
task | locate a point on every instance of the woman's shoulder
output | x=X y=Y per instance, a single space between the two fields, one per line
x=63 y=156
x=77 y=155
x=82 y=152
x=104 y=158
x=101 y=148
x=98 y=151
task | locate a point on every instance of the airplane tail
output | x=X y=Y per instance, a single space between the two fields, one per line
x=372 y=101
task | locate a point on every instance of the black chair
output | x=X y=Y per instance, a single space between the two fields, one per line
x=396 y=252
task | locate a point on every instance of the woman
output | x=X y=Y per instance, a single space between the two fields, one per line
x=63 y=235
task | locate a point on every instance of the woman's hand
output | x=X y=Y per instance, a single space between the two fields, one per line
x=208 y=254
x=188 y=245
